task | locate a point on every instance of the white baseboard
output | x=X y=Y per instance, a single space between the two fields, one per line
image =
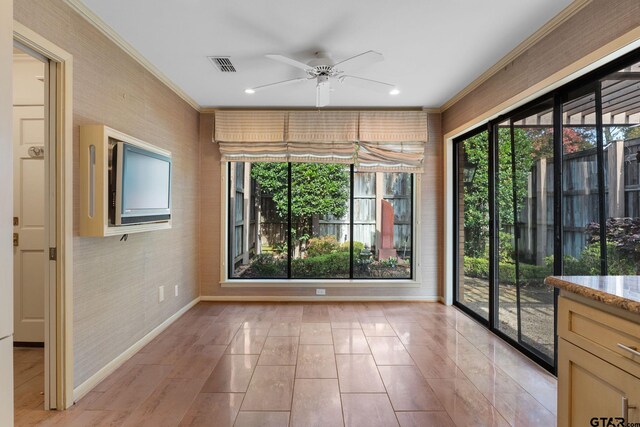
x=110 y=367
x=242 y=298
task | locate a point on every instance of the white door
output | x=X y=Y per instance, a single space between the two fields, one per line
x=29 y=223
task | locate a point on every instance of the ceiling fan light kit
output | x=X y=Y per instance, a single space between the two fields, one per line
x=323 y=70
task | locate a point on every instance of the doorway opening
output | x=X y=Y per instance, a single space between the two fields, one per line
x=57 y=214
x=34 y=229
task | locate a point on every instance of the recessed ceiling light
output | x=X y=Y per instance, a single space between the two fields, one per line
x=394 y=92
x=249 y=91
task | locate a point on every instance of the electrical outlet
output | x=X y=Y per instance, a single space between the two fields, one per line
x=161 y=294
x=321 y=291
x=176 y=289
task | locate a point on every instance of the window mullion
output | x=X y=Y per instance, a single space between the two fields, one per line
x=602 y=207
x=289 y=224
x=351 y=216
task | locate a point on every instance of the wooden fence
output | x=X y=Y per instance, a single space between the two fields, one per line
x=580 y=198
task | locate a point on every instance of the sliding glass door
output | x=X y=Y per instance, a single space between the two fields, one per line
x=473 y=223
x=555 y=190
x=620 y=114
x=525 y=229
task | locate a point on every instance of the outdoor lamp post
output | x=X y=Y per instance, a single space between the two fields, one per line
x=469 y=172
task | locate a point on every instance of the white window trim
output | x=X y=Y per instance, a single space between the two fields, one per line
x=227 y=282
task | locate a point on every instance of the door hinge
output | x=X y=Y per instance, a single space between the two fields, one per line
x=16 y=220
x=53 y=254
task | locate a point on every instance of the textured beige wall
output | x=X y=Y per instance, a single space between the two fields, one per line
x=116 y=283
x=600 y=22
x=430 y=230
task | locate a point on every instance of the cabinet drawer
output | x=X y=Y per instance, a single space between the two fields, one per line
x=600 y=333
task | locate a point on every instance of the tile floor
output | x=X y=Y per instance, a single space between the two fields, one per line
x=325 y=364
x=28 y=380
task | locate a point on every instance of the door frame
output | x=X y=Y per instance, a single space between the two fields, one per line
x=59 y=292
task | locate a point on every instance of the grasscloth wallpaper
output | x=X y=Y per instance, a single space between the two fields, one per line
x=429 y=229
x=597 y=24
x=116 y=283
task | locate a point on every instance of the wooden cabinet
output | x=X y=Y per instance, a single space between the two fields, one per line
x=596 y=377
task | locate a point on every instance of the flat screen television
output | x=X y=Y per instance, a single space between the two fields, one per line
x=141 y=185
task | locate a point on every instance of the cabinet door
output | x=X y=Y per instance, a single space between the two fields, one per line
x=589 y=387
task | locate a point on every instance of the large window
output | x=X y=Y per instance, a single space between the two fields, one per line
x=295 y=221
x=552 y=188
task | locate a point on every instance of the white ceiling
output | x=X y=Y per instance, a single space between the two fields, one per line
x=432 y=49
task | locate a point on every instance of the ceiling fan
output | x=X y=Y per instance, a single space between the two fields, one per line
x=323 y=70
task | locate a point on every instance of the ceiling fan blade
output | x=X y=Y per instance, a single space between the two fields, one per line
x=282 y=83
x=367 y=83
x=359 y=61
x=289 y=61
x=323 y=91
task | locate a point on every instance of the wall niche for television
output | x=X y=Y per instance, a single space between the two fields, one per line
x=125 y=184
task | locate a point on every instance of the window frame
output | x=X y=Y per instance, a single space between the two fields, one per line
x=226 y=270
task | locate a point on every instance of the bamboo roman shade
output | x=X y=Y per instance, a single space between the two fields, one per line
x=392 y=140
x=251 y=136
x=373 y=140
x=322 y=136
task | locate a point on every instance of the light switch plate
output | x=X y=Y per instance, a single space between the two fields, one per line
x=176 y=290
x=161 y=294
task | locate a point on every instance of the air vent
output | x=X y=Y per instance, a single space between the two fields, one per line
x=222 y=64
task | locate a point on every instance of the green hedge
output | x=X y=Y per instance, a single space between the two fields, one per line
x=335 y=264
x=619 y=263
x=479 y=268
x=323 y=245
x=588 y=264
x=266 y=265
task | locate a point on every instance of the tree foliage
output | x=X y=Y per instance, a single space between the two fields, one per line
x=529 y=145
x=316 y=189
x=623 y=240
x=620 y=133
x=476 y=195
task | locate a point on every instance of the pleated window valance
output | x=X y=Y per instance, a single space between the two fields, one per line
x=392 y=140
x=251 y=136
x=322 y=136
x=373 y=140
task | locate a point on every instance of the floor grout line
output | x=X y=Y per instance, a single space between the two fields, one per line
x=383 y=313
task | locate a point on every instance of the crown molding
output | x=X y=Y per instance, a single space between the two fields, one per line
x=211 y=110
x=79 y=7
x=568 y=12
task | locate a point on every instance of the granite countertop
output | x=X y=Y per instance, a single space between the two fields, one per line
x=617 y=291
